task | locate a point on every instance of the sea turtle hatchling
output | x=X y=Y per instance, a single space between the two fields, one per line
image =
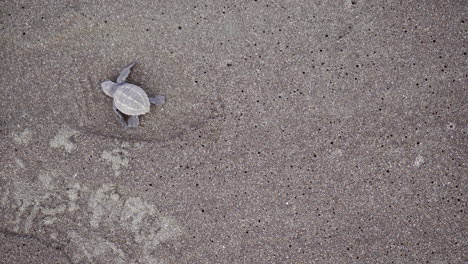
x=129 y=99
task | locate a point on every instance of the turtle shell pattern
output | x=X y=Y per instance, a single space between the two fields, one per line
x=131 y=100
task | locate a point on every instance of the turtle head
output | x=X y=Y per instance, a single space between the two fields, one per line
x=109 y=88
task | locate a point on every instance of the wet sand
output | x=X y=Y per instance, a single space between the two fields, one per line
x=294 y=132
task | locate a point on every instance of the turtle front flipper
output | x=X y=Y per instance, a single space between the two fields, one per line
x=133 y=121
x=158 y=100
x=124 y=73
x=121 y=118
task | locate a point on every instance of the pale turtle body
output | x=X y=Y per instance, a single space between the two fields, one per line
x=129 y=99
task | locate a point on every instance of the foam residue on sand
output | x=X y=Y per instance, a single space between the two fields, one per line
x=112 y=226
x=62 y=139
x=23 y=137
x=117 y=157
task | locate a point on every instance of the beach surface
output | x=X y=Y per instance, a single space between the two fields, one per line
x=294 y=132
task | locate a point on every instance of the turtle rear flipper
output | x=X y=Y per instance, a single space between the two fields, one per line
x=158 y=100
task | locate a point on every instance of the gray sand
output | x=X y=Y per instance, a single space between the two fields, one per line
x=294 y=132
